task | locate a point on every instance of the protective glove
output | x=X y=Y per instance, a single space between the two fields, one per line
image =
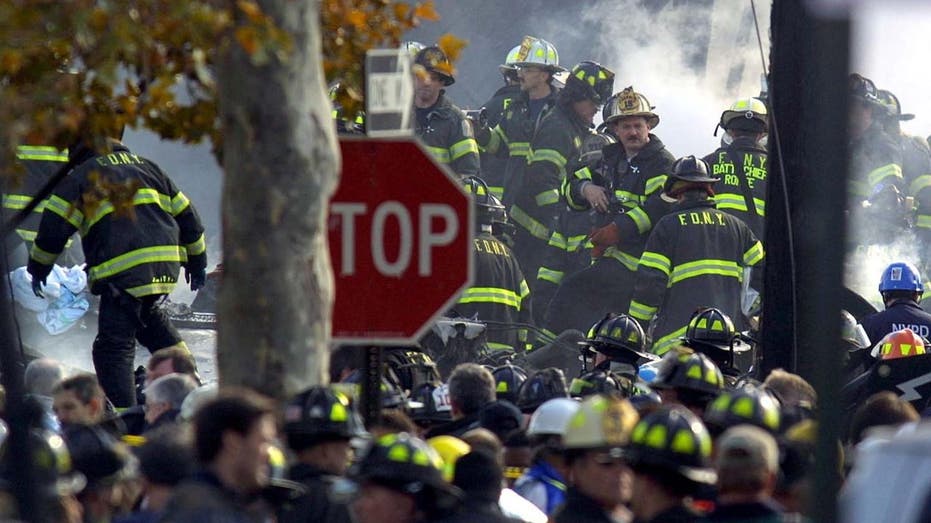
x=37 y=284
x=197 y=278
x=604 y=237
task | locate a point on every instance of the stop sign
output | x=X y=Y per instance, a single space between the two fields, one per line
x=400 y=235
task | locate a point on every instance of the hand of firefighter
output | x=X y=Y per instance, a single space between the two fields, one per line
x=596 y=196
x=37 y=284
x=604 y=237
x=197 y=278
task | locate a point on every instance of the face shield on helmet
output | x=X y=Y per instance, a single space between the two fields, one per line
x=852 y=333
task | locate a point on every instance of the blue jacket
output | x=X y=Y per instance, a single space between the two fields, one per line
x=903 y=314
x=542 y=473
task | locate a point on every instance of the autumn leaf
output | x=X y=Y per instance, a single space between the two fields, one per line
x=251 y=9
x=452 y=46
x=426 y=11
x=248 y=39
x=357 y=18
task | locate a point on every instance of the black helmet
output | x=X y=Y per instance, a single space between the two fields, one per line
x=592 y=145
x=748 y=406
x=712 y=333
x=693 y=372
x=434 y=60
x=545 y=384
x=406 y=463
x=674 y=440
x=409 y=367
x=600 y=382
x=429 y=404
x=99 y=456
x=620 y=338
x=589 y=81
x=892 y=105
x=489 y=209
x=51 y=462
x=508 y=380
x=690 y=169
x=392 y=396
x=864 y=90
x=320 y=414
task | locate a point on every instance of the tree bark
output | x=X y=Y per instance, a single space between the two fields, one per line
x=281 y=160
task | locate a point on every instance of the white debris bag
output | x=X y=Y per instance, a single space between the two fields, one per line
x=65 y=300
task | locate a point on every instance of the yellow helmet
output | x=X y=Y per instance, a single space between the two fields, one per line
x=601 y=421
x=450 y=449
x=746 y=114
x=631 y=103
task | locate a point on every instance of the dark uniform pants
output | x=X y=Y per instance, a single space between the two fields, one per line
x=586 y=296
x=124 y=319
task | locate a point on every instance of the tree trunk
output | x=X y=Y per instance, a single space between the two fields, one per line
x=281 y=160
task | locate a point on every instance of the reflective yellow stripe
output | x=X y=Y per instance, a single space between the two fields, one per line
x=495 y=139
x=547 y=197
x=923 y=221
x=65 y=210
x=630 y=199
x=641 y=219
x=145 y=196
x=574 y=243
x=520 y=149
x=583 y=174
x=754 y=254
x=41 y=152
x=524 y=290
x=462 y=148
x=881 y=173
x=656 y=261
x=628 y=261
x=535 y=228
x=151 y=288
x=685 y=271
x=197 y=247
x=558 y=241
x=549 y=155
x=41 y=256
x=550 y=275
x=178 y=204
x=29 y=236
x=922 y=182
x=158 y=253
x=760 y=206
x=491 y=295
x=730 y=201
x=640 y=311
x=654 y=184
x=497 y=191
x=859 y=188
x=440 y=154
x=498 y=346
x=662 y=345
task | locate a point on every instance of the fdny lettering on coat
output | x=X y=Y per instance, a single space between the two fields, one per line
x=702 y=218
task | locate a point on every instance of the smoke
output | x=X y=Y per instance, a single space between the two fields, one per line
x=691 y=60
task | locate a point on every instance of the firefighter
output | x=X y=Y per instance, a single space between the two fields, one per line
x=558 y=141
x=670 y=455
x=441 y=126
x=746 y=406
x=544 y=483
x=318 y=425
x=623 y=192
x=712 y=333
x=41 y=164
x=901 y=288
x=132 y=258
x=536 y=62
x=741 y=164
x=688 y=378
x=599 y=479
x=877 y=186
x=695 y=257
x=494 y=165
x=499 y=293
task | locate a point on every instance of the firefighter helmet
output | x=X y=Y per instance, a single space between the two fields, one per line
x=631 y=103
x=899 y=344
x=409 y=367
x=509 y=68
x=536 y=52
x=673 y=439
x=743 y=406
x=320 y=414
x=489 y=209
x=449 y=449
x=551 y=417
x=620 y=338
x=746 y=114
x=51 y=463
x=710 y=326
x=863 y=89
x=901 y=276
x=601 y=421
x=545 y=384
x=599 y=382
x=893 y=108
x=508 y=379
x=691 y=169
x=433 y=60
x=412 y=47
x=407 y=464
x=589 y=81
x=429 y=404
x=684 y=369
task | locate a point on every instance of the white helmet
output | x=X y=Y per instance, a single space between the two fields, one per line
x=552 y=417
x=601 y=421
x=510 y=60
x=536 y=52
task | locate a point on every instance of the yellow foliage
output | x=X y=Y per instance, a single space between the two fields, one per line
x=452 y=46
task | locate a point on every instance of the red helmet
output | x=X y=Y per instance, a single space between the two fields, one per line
x=899 y=344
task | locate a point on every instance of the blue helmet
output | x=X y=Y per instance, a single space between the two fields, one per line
x=901 y=276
